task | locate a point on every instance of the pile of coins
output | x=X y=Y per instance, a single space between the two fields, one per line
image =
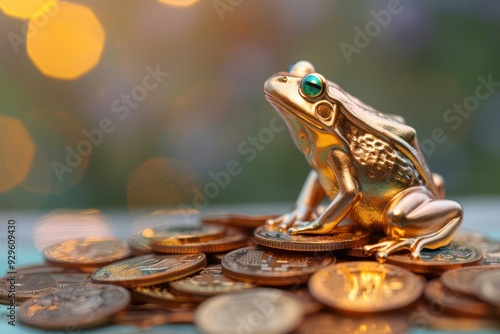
x=233 y=273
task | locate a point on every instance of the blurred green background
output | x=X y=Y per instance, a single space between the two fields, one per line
x=164 y=146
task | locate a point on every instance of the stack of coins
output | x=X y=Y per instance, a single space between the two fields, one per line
x=234 y=273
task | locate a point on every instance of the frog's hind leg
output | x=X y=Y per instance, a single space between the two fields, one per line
x=417 y=220
x=439 y=183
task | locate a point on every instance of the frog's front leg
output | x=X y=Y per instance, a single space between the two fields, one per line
x=305 y=208
x=415 y=219
x=349 y=194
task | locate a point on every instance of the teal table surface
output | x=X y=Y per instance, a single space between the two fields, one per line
x=33 y=233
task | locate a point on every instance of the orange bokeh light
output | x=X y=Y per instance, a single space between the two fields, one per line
x=66 y=44
x=179 y=3
x=16 y=152
x=24 y=9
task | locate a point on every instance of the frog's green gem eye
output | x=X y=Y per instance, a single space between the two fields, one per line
x=311 y=85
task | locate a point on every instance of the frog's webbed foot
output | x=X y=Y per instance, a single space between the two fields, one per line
x=388 y=246
x=414 y=244
x=314 y=227
x=415 y=221
x=293 y=218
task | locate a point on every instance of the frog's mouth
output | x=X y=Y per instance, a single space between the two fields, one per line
x=282 y=108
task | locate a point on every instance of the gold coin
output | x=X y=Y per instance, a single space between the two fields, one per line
x=344 y=237
x=252 y=311
x=487 y=287
x=22 y=287
x=232 y=240
x=86 y=252
x=77 y=307
x=149 y=269
x=365 y=287
x=435 y=261
x=183 y=234
x=160 y=294
x=271 y=267
x=455 y=302
x=237 y=220
x=208 y=282
x=463 y=279
x=139 y=245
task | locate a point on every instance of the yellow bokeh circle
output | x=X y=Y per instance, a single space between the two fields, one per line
x=66 y=42
x=16 y=153
x=24 y=9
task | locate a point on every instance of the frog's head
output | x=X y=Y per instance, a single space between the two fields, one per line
x=302 y=95
x=310 y=106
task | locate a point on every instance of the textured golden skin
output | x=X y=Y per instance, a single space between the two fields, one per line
x=367 y=163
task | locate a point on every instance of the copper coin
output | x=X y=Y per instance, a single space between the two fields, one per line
x=469 y=236
x=270 y=267
x=232 y=240
x=455 y=302
x=463 y=280
x=487 y=287
x=237 y=220
x=432 y=316
x=149 y=269
x=359 y=251
x=208 y=282
x=365 y=287
x=331 y=323
x=346 y=237
x=18 y=288
x=251 y=311
x=139 y=245
x=215 y=258
x=309 y=304
x=86 y=252
x=183 y=234
x=60 y=274
x=151 y=315
x=74 y=307
x=160 y=294
x=490 y=248
x=491 y=252
x=63 y=276
x=435 y=261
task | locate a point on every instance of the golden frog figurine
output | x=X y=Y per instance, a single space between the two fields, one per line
x=367 y=163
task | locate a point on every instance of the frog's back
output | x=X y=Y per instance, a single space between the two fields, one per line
x=393 y=124
x=387 y=129
x=378 y=160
